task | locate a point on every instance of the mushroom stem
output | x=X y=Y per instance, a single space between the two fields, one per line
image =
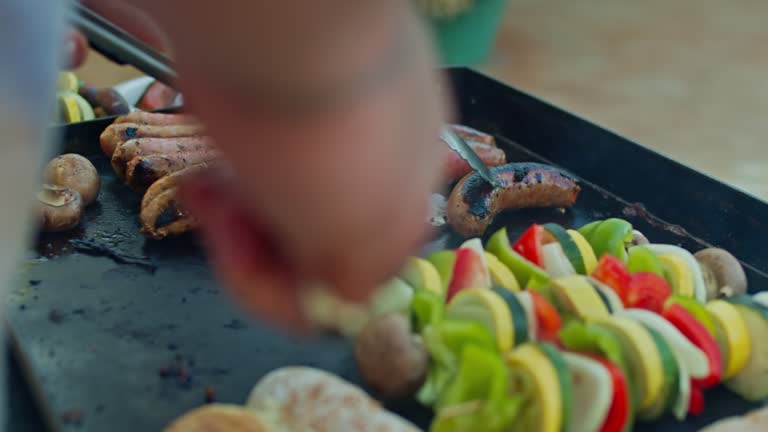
x=60 y=208
x=54 y=196
x=723 y=274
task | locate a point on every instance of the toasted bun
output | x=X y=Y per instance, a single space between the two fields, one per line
x=218 y=418
x=755 y=421
x=301 y=399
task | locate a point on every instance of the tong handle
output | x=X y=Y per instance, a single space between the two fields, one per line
x=120 y=46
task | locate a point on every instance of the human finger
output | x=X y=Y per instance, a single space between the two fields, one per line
x=76 y=48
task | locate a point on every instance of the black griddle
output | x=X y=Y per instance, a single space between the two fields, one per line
x=110 y=345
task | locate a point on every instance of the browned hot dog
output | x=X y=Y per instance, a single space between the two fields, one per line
x=160 y=199
x=474 y=202
x=117 y=133
x=159 y=119
x=145 y=146
x=142 y=171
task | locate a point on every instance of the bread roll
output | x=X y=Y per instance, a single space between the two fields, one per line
x=755 y=421
x=303 y=399
x=218 y=418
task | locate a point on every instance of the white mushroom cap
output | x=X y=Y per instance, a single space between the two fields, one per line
x=723 y=274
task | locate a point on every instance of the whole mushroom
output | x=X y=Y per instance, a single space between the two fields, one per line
x=61 y=208
x=75 y=172
x=723 y=274
x=391 y=359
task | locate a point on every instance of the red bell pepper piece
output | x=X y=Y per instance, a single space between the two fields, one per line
x=613 y=272
x=529 y=244
x=696 y=404
x=468 y=272
x=619 y=414
x=547 y=317
x=699 y=336
x=647 y=291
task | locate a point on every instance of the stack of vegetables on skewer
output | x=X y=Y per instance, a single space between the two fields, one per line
x=566 y=330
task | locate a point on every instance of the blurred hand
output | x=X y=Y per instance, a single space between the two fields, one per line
x=338 y=195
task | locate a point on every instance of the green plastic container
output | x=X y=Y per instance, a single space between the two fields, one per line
x=468 y=38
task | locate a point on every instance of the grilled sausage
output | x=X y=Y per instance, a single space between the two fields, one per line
x=158 y=119
x=474 y=135
x=165 y=203
x=142 y=171
x=115 y=134
x=474 y=203
x=455 y=167
x=161 y=200
x=145 y=146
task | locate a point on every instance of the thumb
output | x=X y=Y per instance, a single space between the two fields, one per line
x=76 y=49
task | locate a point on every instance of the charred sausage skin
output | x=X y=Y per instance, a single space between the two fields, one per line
x=474 y=203
x=161 y=198
x=142 y=171
x=128 y=150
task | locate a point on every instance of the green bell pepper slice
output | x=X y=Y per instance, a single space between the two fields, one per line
x=478 y=394
x=445 y=342
x=526 y=272
x=588 y=229
x=578 y=336
x=610 y=236
x=641 y=259
x=427 y=308
x=591 y=338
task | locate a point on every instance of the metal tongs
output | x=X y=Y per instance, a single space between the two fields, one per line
x=457 y=144
x=123 y=48
x=120 y=46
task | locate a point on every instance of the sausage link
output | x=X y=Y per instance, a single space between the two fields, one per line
x=116 y=134
x=158 y=119
x=142 y=171
x=474 y=203
x=145 y=146
x=161 y=198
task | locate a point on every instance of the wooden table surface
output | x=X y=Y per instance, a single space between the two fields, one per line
x=686 y=78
